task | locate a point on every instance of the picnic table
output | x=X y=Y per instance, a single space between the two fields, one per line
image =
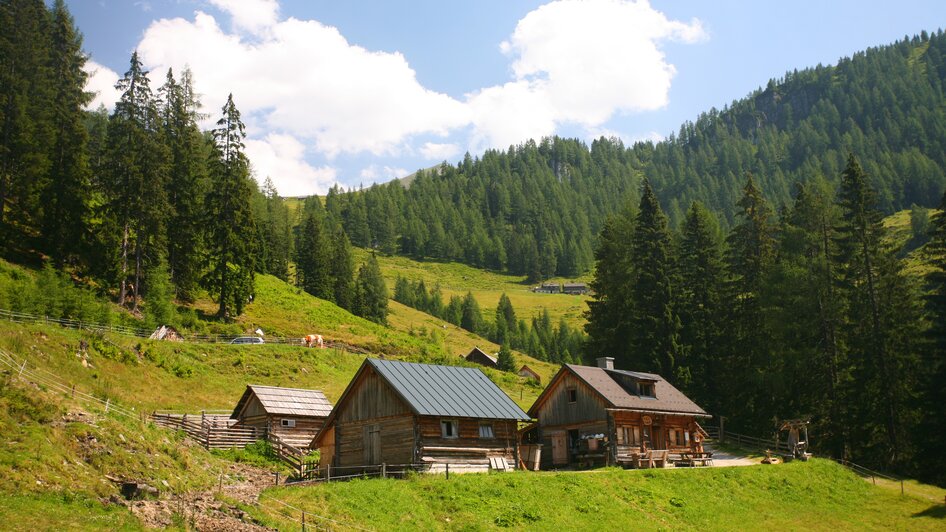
x=691 y=459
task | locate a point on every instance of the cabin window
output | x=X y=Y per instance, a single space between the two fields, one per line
x=289 y=423
x=486 y=430
x=630 y=435
x=645 y=389
x=676 y=436
x=572 y=395
x=449 y=428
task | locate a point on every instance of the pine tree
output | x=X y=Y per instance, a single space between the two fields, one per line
x=343 y=270
x=702 y=278
x=608 y=328
x=505 y=360
x=158 y=296
x=881 y=329
x=506 y=323
x=313 y=259
x=934 y=424
x=26 y=91
x=67 y=195
x=471 y=318
x=749 y=258
x=372 y=293
x=655 y=322
x=136 y=176
x=230 y=223
x=186 y=182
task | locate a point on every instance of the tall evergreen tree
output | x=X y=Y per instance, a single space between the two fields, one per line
x=749 y=258
x=186 y=182
x=342 y=270
x=505 y=360
x=608 y=328
x=702 y=278
x=136 y=176
x=471 y=318
x=655 y=323
x=881 y=329
x=506 y=323
x=934 y=424
x=313 y=259
x=371 y=292
x=66 y=196
x=230 y=221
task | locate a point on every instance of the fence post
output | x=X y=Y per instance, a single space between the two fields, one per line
x=384 y=470
x=107 y=401
x=277 y=478
x=901 y=486
x=303 y=521
x=22 y=366
x=448 y=471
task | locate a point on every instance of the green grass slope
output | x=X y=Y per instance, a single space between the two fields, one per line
x=818 y=495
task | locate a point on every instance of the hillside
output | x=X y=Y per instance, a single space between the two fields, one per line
x=818 y=495
x=537 y=208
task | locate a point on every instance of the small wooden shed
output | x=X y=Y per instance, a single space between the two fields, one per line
x=402 y=413
x=575 y=288
x=529 y=373
x=602 y=415
x=294 y=414
x=478 y=356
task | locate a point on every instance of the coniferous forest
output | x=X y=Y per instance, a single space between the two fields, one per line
x=743 y=258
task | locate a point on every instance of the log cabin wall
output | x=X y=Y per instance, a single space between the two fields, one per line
x=306 y=427
x=468 y=450
x=374 y=425
x=558 y=414
x=665 y=431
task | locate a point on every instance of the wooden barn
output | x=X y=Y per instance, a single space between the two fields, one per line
x=529 y=373
x=478 y=356
x=294 y=414
x=602 y=415
x=399 y=413
x=575 y=289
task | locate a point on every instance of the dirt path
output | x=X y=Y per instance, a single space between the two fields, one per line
x=725 y=459
x=204 y=510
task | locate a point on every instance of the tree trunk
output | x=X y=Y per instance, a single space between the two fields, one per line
x=123 y=288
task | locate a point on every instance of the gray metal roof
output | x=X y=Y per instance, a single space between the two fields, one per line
x=285 y=401
x=431 y=390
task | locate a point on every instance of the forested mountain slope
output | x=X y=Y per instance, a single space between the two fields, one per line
x=535 y=208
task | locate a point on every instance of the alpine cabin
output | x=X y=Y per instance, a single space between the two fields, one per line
x=293 y=414
x=478 y=356
x=402 y=413
x=601 y=415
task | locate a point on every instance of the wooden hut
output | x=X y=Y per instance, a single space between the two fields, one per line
x=529 y=373
x=478 y=356
x=574 y=288
x=589 y=415
x=399 y=413
x=294 y=414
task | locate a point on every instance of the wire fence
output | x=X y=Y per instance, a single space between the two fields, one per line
x=22 y=317
x=23 y=369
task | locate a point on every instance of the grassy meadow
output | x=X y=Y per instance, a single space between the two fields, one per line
x=818 y=495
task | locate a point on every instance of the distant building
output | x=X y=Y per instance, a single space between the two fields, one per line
x=548 y=288
x=478 y=356
x=529 y=373
x=294 y=414
x=402 y=413
x=575 y=289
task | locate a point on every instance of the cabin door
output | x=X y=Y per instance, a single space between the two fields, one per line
x=373 y=445
x=559 y=449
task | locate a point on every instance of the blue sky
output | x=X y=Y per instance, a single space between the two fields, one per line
x=355 y=92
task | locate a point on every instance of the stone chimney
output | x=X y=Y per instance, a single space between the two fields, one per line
x=606 y=362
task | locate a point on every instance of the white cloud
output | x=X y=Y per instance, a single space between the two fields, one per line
x=374 y=173
x=282 y=159
x=305 y=79
x=101 y=81
x=580 y=62
x=253 y=16
x=439 y=151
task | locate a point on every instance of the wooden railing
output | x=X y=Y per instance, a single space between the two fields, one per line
x=213 y=431
x=751 y=442
x=293 y=456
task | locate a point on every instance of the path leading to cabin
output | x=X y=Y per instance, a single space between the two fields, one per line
x=727 y=459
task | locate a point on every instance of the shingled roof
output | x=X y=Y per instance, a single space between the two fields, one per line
x=285 y=401
x=606 y=383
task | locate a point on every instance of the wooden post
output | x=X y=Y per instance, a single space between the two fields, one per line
x=328 y=471
x=722 y=428
x=384 y=470
x=303 y=521
x=107 y=401
x=448 y=471
x=277 y=478
x=901 y=486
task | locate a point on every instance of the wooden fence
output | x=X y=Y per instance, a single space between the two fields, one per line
x=751 y=442
x=213 y=431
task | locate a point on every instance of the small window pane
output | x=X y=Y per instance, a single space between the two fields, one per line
x=572 y=395
x=448 y=428
x=486 y=431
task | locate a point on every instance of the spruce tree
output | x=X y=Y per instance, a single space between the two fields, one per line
x=342 y=270
x=186 y=182
x=313 y=259
x=471 y=318
x=67 y=195
x=230 y=223
x=372 y=293
x=702 y=278
x=655 y=323
x=505 y=360
x=506 y=327
x=934 y=424
x=608 y=327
